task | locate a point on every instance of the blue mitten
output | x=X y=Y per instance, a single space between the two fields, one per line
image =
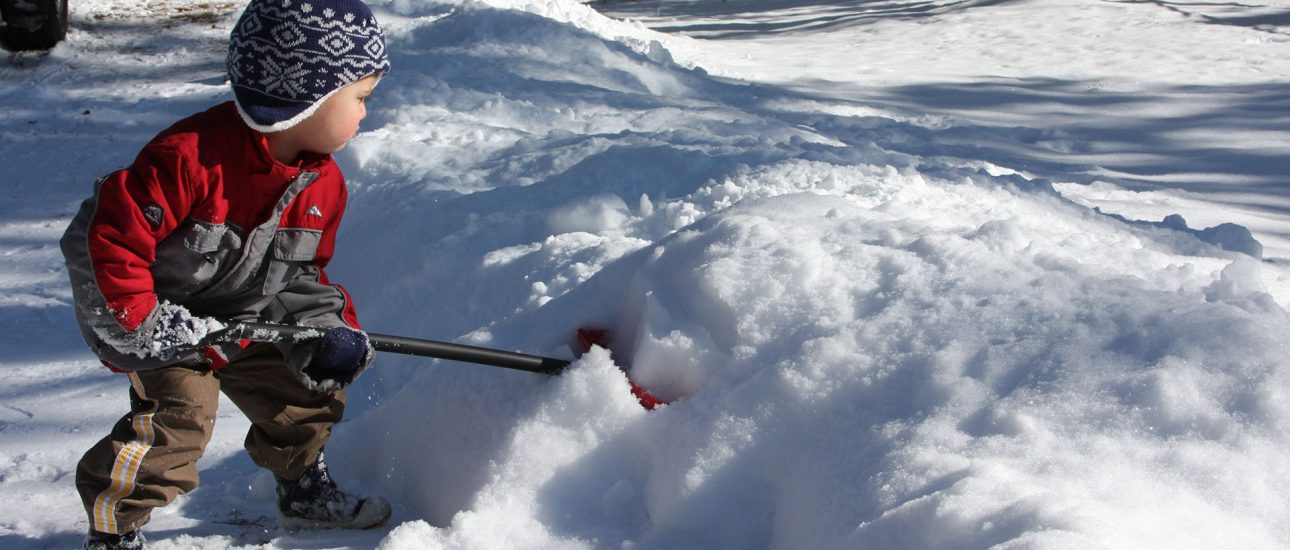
x=174 y=331
x=337 y=359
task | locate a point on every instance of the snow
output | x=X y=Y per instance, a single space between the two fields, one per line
x=937 y=275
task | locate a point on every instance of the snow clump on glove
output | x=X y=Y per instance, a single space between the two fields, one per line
x=170 y=330
x=177 y=329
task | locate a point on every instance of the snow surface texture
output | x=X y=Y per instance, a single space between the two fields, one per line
x=881 y=323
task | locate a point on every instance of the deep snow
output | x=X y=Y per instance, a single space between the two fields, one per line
x=852 y=241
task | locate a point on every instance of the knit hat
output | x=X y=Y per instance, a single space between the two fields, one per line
x=285 y=57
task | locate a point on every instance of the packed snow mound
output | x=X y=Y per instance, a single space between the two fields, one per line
x=571 y=12
x=863 y=348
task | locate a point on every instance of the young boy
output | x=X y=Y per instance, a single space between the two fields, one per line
x=231 y=214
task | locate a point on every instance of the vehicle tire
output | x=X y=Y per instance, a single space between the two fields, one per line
x=21 y=33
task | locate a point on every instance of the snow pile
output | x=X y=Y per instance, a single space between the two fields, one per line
x=866 y=348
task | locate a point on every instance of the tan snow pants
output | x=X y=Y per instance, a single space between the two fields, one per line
x=151 y=455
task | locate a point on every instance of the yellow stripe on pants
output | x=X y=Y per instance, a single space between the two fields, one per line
x=125 y=469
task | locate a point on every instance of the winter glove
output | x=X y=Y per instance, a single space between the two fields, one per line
x=338 y=357
x=170 y=331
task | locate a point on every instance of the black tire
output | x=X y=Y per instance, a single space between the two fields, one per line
x=52 y=29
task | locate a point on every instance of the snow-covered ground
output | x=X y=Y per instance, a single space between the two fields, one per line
x=904 y=269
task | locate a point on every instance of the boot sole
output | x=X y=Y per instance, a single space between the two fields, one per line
x=372 y=514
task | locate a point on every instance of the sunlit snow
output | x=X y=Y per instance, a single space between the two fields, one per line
x=954 y=274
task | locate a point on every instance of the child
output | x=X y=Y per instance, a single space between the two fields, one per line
x=231 y=214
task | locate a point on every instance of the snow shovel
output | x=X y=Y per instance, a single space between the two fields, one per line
x=275 y=333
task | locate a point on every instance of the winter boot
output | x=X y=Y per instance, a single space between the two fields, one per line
x=315 y=502
x=107 y=541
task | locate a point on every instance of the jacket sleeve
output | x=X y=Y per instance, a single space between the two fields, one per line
x=110 y=246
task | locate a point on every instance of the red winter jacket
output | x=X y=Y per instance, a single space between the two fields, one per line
x=206 y=218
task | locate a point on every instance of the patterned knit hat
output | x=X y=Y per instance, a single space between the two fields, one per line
x=285 y=57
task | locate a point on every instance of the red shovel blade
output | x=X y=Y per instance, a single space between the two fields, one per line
x=644 y=397
x=588 y=337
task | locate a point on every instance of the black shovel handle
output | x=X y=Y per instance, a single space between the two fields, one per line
x=274 y=333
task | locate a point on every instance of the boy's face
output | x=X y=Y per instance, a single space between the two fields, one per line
x=336 y=120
